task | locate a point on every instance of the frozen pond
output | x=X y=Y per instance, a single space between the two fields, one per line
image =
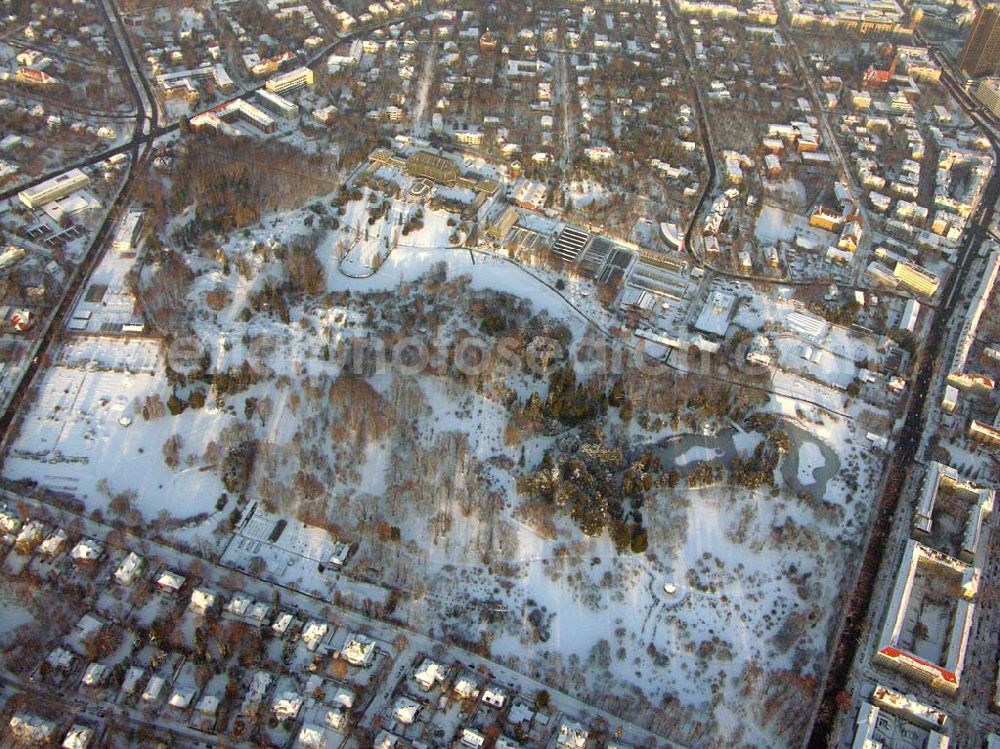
x=810 y=460
x=807 y=469
x=698 y=454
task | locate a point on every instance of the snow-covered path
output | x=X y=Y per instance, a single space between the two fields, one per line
x=424 y=92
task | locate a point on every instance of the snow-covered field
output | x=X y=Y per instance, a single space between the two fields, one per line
x=796 y=355
x=805 y=342
x=76 y=435
x=13 y=613
x=791 y=190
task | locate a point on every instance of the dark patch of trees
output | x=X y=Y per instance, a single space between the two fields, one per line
x=595 y=484
x=237 y=466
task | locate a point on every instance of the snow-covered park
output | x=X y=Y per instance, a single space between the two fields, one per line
x=726 y=617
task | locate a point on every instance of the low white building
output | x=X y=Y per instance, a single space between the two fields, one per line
x=494 y=697
x=130 y=569
x=181 y=698
x=9 y=522
x=950 y=400
x=571 y=736
x=281 y=623
x=201 y=600
x=94 y=675
x=313 y=634
x=405 y=710
x=359 y=651
x=208 y=706
x=429 y=674
x=312 y=736
x=287 y=706
x=87 y=550
x=153 y=689
x=472 y=738
x=335 y=717
x=465 y=688
x=54 y=543
x=170 y=582
x=79 y=737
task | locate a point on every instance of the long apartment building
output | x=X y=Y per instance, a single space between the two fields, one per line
x=988 y=92
x=916 y=278
x=54 y=189
x=127 y=230
x=973 y=503
x=277 y=104
x=290 y=81
x=941 y=589
x=219 y=118
x=216 y=72
x=973 y=315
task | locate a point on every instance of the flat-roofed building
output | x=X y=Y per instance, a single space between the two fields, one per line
x=469 y=137
x=911 y=312
x=53 y=189
x=988 y=92
x=277 y=104
x=909 y=707
x=877 y=727
x=984 y=432
x=126 y=232
x=222 y=78
x=290 y=81
x=716 y=313
x=916 y=278
x=962 y=504
x=949 y=402
x=967 y=336
x=433 y=167
x=220 y=117
x=926 y=629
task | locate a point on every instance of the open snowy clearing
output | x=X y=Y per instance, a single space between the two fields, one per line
x=76 y=435
x=810 y=460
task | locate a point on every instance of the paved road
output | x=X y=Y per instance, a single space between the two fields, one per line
x=703 y=129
